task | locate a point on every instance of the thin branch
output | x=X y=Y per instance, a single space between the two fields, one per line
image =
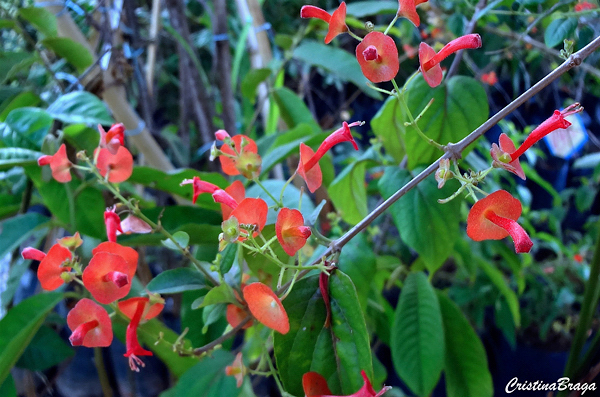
x=209 y=346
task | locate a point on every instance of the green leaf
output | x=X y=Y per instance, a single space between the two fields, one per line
x=208 y=379
x=15 y=230
x=460 y=105
x=418 y=336
x=257 y=263
x=358 y=261
x=498 y=280
x=46 y=350
x=361 y=9
x=20 y=325
x=558 y=30
x=182 y=239
x=88 y=209
x=170 y=182
x=177 y=280
x=252 y=80
x=228 y=258
x=425 y=225
x=7 y=24
x=80 y=107
x=338 y=62
x=7 y=388
x=73 y=52
x=26 y=128
x=388 y=125
x=221 y=294
x=349 y=193
x=465 y=363
x=82 y=137
x=456 y=24
x=42 y=19
x=148 y=334
x=11 y=62
x=310 y=347
x=26 y=98
x=17 y=157
x=293 y=110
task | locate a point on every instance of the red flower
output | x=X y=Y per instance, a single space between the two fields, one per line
x=266 y=307
x=408 y=10
x=308 y=167
x=243 y=160
x=59 y=164
x=315 y=385
x=33 y=254
x=53 y=266
x=235 y=315
x=495 y=217
x=584 y=5
x=429 y=60
x=112 y=223
x=252 y=212
x=502 y=159
x=237 y=191
x=337 y=21
x=108 y=277
x=219 y=195
x=554 y=122
x=90 y=324
x=377 y=56
x=237 y=369
x=113 y=139
x=290 y=230
x=137 y=309
x=119 y=166
x=129 y=254
x=489 y=78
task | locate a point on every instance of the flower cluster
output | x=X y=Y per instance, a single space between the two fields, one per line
x=112 y=160
x=108 y=275
x=377 y=53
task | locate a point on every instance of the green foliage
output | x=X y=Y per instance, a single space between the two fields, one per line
x=73 y=52
x=349 y=193
x=45 y=350
x=418 y=335
x=80 y=107
x=20 y=325
x=21 y=100
x=465 y=363
x=292 y=109
x=251 y=82
x=308 y=346
x=181 y=240
x=361 y=9
x=426 y=226
x=388 y=126
x=177 y=280
x=558 y=30
x=358 y=261
x=17 y=229
x=26 y=128
x=459 y=106
x=42 y=19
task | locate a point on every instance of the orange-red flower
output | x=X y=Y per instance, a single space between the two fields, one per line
x=90 y=325
x=337 y=21
x=237 y=369
x=495 y=217
x=108 y=277
x=501 y=156
x=52 y=266
x=489 y=78
x=584 y=5
x=113 y=139
x=243 y=160
x=59 y=164
x=408 y=10
x=377 y=56
x=308 y=166
x=315 y=385
x=290 y=230
x=429 y=60
x=219 y=195
x=119 y=166
x=112 y=223
x=237 y=191
x=266 y=307
x=137 y=309
x=252 y=212
x=235 y=315
x=129 y=254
